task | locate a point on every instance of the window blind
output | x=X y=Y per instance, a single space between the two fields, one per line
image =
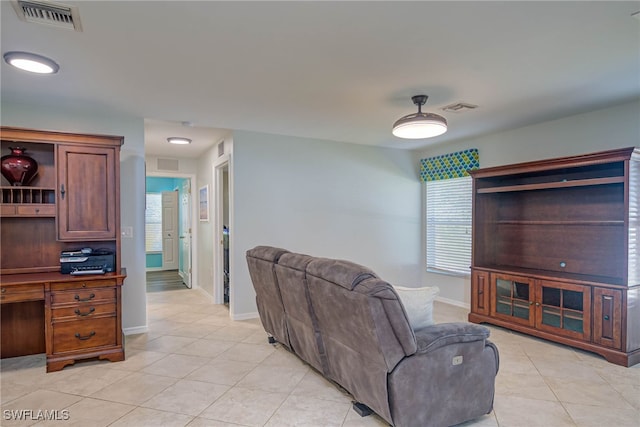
x=153 y=223
x=448 y=189
x=448 y=214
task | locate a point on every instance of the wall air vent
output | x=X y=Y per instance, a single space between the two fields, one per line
x=48 y=13
x=221 y=148
x=459 y=107
x=168 y=165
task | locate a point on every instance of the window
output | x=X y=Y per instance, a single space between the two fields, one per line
x=153 y=223
x=449 y=225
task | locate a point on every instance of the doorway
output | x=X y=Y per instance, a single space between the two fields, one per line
x=223 y=233
x=169 y=215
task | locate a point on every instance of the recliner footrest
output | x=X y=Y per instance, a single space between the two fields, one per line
x=362 y=409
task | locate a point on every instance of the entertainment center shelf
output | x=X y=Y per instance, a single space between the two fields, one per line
x=555 y=251
x=548 y=185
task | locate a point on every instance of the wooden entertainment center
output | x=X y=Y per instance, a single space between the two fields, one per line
x=556 y=251
x=72 y=203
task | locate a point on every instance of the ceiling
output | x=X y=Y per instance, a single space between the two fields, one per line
x=342 y=71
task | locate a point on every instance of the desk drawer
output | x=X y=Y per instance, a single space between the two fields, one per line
x=89 y=295
x=83 y=334
x=82 y=284
x=7 y=210
x=20 y=293
x=83 y=311
x=40 y=210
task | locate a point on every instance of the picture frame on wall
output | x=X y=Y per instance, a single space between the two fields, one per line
x=204 y=203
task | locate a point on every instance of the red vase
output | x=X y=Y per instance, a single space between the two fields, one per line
x=17 y=167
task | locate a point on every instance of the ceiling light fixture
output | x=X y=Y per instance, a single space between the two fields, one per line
x=178 y=140
x=420 y=125
x=31 y=62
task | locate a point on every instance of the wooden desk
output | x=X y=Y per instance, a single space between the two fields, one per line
x=67 y=317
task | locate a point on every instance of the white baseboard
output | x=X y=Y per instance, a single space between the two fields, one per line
x=136 y=330
x=246 y=316
x=454 y=302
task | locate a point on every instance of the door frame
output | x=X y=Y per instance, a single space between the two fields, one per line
x=194 y=220
x=219 y=165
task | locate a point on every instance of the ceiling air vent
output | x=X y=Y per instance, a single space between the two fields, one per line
x=48 y=13
x=459 y=107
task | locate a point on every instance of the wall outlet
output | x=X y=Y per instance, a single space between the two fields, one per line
x=457 y=360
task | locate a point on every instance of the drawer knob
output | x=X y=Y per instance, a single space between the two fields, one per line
x=4 y=290
x=80 y=337
x=606 y=317
x=77 y=297
x=79 y=313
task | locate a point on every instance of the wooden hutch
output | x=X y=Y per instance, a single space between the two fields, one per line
x=556 y=251
x=72 y=203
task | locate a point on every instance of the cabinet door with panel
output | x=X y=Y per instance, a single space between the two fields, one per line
x=480 y=292
x=564 y=309
x=512 y=298
x=607 y=317
x=87 y=193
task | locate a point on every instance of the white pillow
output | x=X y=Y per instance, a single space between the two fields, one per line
x=418 y=303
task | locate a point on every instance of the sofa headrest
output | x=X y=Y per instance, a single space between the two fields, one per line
x=295 y=261
x=344 y=273
x=266 y=253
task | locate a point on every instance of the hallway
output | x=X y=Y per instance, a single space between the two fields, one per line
x=166 y=280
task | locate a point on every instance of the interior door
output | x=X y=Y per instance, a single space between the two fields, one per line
x=170 y=230
x=185 y=233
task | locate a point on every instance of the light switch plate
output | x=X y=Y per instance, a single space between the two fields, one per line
x=127 y=232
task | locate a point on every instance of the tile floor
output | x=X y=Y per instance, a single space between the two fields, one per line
x=195 y=367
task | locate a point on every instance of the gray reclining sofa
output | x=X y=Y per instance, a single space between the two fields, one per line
x=350 y=326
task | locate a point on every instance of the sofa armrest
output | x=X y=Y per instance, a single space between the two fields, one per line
x=442 y=334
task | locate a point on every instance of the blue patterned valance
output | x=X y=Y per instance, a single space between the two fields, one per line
x=446 y=166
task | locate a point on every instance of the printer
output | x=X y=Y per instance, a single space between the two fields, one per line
x=87 y=261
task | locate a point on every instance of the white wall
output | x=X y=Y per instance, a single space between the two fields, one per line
x=600 y=130
x=205 y=228
x=78 y=118
x=323 y=198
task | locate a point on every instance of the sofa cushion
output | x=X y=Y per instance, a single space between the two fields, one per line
x=418 y=303
x=261 y=261
x=343 y=273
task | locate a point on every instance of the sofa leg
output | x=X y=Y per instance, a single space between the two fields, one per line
x=272 y=340
x=362 y=409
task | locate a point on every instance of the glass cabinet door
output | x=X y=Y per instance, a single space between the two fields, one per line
x=563 y=308
x=512 y=298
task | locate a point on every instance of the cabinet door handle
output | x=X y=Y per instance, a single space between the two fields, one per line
x=92 y=296
x=80 y=337
x=79 y=313
x=62 y=191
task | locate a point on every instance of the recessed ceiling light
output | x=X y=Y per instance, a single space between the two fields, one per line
x=31 y=62
x=179 y=140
